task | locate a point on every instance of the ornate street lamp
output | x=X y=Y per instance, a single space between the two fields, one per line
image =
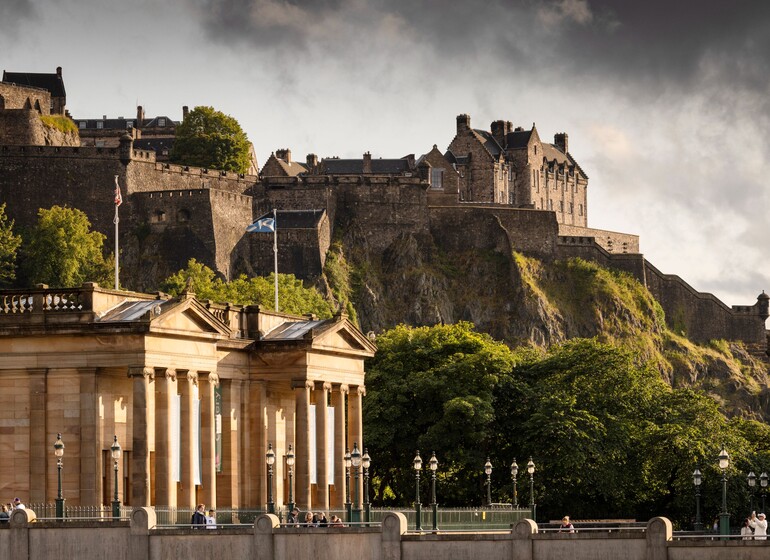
x=366 y=462
x=514 y=474
x=290 y=464
x=763 y=484
x=270 y=460
x=115 y=450
x=348 y=505
x=58 y=451
x=724 y=517
x=752 y=479
x=355 y=460
x=488 y=472
x=696 y=480
x=417 y=463
x=531 y=471
x=433 y=464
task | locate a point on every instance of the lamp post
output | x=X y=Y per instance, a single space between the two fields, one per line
x=763 y=484
x=514 y=474
x=270 y=460
x=366 y=462
x=355 y=460
x=58 y=451
x=417 y=464
x=115 y=450
x=348 y=506
x=752 y=479
x=433 y=464
x=290 y=464
x=488 y=472
x=531 y=471
x=724 y=517
x=696 y=480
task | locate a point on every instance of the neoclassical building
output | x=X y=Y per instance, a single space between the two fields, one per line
x=194 y=392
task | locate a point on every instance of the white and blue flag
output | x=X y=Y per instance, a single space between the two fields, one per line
x=263 y=225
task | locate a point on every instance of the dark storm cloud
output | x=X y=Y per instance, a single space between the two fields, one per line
x=654 y=40
x=12 y=12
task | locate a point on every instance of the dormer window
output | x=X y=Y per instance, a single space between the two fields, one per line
x=161 y=121
x=82 y=124
x=100 y=124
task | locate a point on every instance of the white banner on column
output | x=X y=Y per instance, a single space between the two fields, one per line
x=330 y=446
x=313 y=463
x=176 y=437
x=195 y=452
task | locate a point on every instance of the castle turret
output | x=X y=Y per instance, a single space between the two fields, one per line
x=126 y=148
x=763 y=304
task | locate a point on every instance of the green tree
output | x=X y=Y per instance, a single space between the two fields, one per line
x=293 y=296
x=62 y=251
x=431 y=388
x=9 y=245
x=209 y=138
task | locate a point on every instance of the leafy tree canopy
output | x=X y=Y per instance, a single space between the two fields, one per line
x=209 y=138
x=9 y=245
x=293 y=296
x=62 y=251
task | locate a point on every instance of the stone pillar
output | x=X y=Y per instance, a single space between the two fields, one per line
x=142 y=520
x=659 y=533
x=521 y=539
x=254 y=492
x=140 y=437
x=40 y=449
x=228 y=492
x=302 y=495
x=393 y=528
x=208 y=381
x=322 y=445
x=356 y=435
x=264 y=527
x=187 y=381
x=338 y=402
x=165 y=392
x=90 y=440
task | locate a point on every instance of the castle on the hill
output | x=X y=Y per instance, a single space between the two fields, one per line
x=506 y=180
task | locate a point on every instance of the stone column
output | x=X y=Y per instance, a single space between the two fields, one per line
x=302 y=495
x=208 y=381
x=227 y=492
x=140 y=437
x=165 y=392
x=187 y=381
x=322 y=445
x=356 y=435
x=40 y=449
x=338 y=402
x=90 y=440
x=254 y=489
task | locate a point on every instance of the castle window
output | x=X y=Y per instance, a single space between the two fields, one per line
x=580 y=209
x=550 y=204
x=129 y=124
x=183 y=215
x=99 y=124
x=561 y=206
x=161 y=122
x=571 y=208
x=82 y=124
x=159 y=216
x=99 y=143
x=437 y=178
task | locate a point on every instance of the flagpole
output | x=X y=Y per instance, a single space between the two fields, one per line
x=275 y=254
x=117 y=221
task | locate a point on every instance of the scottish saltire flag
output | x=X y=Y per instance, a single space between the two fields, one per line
x=118 y=197
x=263 y=225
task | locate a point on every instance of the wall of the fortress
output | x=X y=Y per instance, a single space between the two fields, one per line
x=25 y=97
x=21 y=127
x=610 y=241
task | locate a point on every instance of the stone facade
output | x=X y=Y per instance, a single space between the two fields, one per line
x=93 y=364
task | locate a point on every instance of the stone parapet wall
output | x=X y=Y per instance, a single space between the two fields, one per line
x=610 y=241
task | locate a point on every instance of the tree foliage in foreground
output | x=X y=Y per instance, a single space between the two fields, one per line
x=62 y=251
x=209 y=138
x=9 y=245
x=293 y=296
x=608 y=437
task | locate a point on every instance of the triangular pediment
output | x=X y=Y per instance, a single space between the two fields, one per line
x=342 y=336
x=188 y=317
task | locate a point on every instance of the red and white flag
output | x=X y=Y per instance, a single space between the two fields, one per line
x=118 y=197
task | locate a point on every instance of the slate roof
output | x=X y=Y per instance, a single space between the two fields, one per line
x=294 y=330
x=335 y=166
x=452 y=158
x=157 y=144
x=51 y=82
x=129 y=311
x=488 y=141
x=518 y=139
x=297 y=219
x=122 y=123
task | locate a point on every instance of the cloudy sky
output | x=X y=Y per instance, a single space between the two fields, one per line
x=666 y=103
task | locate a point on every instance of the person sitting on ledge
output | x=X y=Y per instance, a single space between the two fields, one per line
x=566 y=526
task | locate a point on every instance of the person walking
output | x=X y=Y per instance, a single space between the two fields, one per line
x=759 y=524
x=211 y=520
x=198 y=520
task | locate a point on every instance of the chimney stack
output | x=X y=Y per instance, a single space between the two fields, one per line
x=312 y=162
x=367 y=164
x=139 y=116
x=498 y=132
x=185 y=110
x=284 y=154
x=58 y=71
x=463 y=123
x=561 y=141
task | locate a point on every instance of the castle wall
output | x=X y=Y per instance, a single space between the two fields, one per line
x=610 y=241
x=24 y=97
x=146 y=175
x=21 y=127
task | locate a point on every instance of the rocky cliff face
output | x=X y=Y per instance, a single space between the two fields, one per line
x=526 y=301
